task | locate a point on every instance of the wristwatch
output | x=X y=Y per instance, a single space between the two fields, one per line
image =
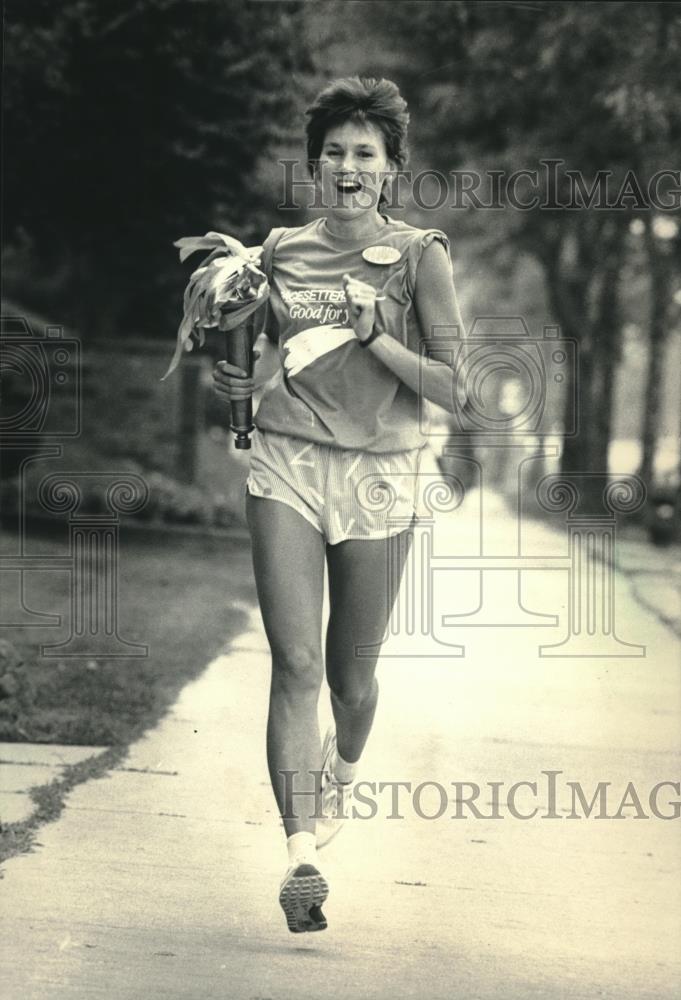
x=370 y=339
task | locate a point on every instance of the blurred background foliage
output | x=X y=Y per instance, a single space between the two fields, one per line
x=128 y=125
x=503 y=86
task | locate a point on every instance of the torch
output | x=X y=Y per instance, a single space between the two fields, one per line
x=223 y=292
x=239 y=352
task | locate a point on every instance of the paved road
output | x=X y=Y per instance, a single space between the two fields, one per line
x=160 y=879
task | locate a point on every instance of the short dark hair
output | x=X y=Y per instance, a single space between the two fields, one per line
x=359 y=99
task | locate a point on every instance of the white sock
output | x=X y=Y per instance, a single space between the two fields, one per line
x=302 y=848
x=342 y=770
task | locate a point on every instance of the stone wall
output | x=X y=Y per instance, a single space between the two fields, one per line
x=129 y=413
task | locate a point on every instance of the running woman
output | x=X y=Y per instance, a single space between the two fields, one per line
x=352 y=295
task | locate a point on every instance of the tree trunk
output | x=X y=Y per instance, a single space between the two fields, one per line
x=568 y=294
x=606 y=349
x=595 y=326
x=660 y=295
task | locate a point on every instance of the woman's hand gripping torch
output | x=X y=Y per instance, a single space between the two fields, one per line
x=224 y=292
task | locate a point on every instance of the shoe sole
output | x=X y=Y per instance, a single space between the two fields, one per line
x=301 y=898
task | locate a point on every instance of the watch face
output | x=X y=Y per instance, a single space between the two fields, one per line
x=381 y=255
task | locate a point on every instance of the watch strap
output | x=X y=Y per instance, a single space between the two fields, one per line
x=371 y=338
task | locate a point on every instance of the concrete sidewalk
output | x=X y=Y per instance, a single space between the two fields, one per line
x=160 y=881
x=27 y=765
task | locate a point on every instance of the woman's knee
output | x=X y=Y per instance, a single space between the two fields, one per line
x=354 y=693
x=297 y=667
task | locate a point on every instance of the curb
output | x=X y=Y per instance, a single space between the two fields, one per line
x=148 y=528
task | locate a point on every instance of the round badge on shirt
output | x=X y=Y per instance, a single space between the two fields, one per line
x=381 y=255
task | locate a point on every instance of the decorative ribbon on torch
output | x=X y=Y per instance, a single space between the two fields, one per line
x=223 y=292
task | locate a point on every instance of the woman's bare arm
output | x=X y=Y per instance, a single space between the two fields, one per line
x=437 y=310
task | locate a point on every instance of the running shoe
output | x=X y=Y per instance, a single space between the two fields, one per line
x=336 y=795
x=303 y=890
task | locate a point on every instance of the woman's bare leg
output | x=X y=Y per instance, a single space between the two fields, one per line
x=288 y=560
x=362 y=593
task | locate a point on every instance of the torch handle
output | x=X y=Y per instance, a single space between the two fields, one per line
x=239 y=352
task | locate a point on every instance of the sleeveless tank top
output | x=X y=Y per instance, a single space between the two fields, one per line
x=328 y=389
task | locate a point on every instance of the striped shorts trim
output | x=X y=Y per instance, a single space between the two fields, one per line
x=344 y=494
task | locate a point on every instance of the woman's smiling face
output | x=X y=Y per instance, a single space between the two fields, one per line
x=352 y=168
